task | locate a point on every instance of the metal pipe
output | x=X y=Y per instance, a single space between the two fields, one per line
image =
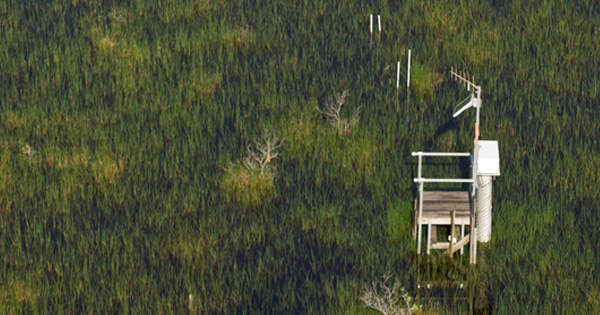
x=443 y=180
x=408 y=72
x=452 y=228
x=398 y=77
x=420 y=163
x=428 y=237
x=475 y=247
x=420 y=153
x=476 y=142
x=462 y=235
x=420 y=216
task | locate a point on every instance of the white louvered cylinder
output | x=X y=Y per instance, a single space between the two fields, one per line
x=484 y=208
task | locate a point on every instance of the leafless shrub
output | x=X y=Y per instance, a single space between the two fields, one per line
x=244 y=30
x=332 y=111
x=262 y=152
x=28 y=152
x=251 y=182
x=114 y=15
x=388 y=301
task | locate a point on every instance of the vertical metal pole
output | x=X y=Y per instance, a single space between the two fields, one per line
x=474 y=170
x=428 y=236
x=408 y=72
x=452 y=227
x=420 y=216
x=462 y=234
x=477 y=93
x=420 y=207
x=420 y=161
x=472 y=235
x=475 y=248
x=398 y=77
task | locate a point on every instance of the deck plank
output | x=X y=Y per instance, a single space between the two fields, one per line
x=439 y=204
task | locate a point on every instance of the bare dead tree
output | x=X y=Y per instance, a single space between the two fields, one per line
x=262 y=152
x=114 y=15
x=388 y=301
x=28 y=152
x=332 y=110
x=244 y=30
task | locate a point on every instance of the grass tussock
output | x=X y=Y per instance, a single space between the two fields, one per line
x=19 y=296
x=248 y=188
x=424 y=81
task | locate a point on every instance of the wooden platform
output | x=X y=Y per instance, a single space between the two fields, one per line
x=437 y=206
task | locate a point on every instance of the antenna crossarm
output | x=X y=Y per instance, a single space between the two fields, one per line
x=462 y=78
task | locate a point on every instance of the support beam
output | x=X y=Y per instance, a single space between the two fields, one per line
x=441 y=245
x=459 y=245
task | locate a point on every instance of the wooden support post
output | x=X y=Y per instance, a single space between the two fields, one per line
x=452 y=234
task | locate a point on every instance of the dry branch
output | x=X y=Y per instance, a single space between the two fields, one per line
x=262 y=152
x=332 y=112
x=388 y=301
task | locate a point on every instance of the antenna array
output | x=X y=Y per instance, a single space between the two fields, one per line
x=464 y=78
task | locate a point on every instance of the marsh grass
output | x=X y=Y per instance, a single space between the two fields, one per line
x=134 y=107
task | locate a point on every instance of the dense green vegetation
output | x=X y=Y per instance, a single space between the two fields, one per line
x=135 y=108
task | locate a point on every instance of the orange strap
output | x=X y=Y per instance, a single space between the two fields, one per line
x=269 y=157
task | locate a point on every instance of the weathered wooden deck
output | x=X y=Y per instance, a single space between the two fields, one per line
x=437 y=206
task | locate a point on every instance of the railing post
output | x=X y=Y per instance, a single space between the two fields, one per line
x=451 y=249
x=420 y=206
x=428 y=236
x=420 y=217
x=462 y=234
x=420 y=161
x=474 y=170
x=475 y=247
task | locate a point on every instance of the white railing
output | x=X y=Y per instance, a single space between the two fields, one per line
x=443 y=180
x=422 y=181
